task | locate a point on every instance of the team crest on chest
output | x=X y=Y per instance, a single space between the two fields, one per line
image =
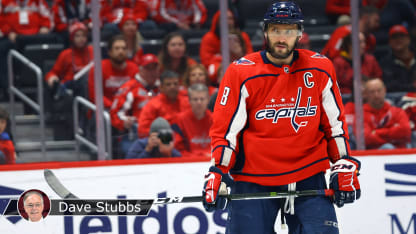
x=293 y=111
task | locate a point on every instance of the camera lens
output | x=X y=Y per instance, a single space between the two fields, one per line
x=165 y=136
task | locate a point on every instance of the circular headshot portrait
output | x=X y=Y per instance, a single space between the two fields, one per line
x=34 y=205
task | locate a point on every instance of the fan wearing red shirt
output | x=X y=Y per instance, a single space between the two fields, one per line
x=117 y=70
x=135 y=94
x=192 y=126
x=385 y=126
x=72 y=60
x=369 y=22
x=210 y=50
x=25 y=17
x=113 y=11
x=343 y=64
x=168 y=104
x=184 y=14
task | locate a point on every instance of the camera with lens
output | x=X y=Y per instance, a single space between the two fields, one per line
x=165 y=136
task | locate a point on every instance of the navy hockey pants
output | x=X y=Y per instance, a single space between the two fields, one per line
x=313 y=215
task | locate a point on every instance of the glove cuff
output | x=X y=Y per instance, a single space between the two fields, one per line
x=216 y=170
x=225 y=177
x=354 y=160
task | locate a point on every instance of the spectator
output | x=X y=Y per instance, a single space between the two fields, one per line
x=392 y=12
x=196 y=74
x=62 y=87
x=112 y=12
x=304 y=42
x=385 y=126
x=400 y=63
x=131 y=99
x=172 y=15
x=343 y=64
x=135 y=93
x=19 y=18
x=336 y=8
x=210 y=50
x=158 y=144
x=167 y=104
x=116 y=70
x=173 y=55
x=25 y=18
x=66 y=13
x=71 y=60
x=192 y=126
x=408 y=104
x=368 y=23
x=7 y=151
x=128 y=27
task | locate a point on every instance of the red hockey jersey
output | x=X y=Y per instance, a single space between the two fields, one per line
x=112 y=79
x=274 y=125
x=130 y=100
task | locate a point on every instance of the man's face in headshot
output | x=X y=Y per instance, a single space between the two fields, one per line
x=33 y=206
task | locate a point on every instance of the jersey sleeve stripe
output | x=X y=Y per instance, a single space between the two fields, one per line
x=239 y=119
x=332 y=110
x=341 y=145
x=226 y=156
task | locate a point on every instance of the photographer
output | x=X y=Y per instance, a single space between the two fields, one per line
x=159 y=144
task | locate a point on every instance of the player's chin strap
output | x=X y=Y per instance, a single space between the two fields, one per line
x=289 y=206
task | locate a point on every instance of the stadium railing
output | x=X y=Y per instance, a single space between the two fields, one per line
x=79 y=134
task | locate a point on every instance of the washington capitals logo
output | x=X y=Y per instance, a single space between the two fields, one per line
x=291 y=112
x=318 y=55
x=243 y=61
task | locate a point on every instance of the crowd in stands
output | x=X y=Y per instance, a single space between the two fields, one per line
x=159 y=101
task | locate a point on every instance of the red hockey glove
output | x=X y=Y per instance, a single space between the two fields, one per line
x=344 y=181
x=215 y=183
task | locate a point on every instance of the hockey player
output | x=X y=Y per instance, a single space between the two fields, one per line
x=278 y=123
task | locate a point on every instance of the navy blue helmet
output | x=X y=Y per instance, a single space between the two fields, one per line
x=284 y=12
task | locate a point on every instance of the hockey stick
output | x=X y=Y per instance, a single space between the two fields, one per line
x=64 y=193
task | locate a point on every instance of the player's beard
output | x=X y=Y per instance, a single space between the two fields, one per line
x=273 y=52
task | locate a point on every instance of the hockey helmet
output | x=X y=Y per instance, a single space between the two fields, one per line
x=283 y=12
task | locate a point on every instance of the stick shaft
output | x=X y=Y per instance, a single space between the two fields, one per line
x=63 y=192
x=249 y=196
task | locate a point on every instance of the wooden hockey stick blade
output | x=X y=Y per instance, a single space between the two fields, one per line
x=56 y=185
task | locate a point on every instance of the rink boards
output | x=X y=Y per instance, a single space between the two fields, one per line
x=387 y=205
